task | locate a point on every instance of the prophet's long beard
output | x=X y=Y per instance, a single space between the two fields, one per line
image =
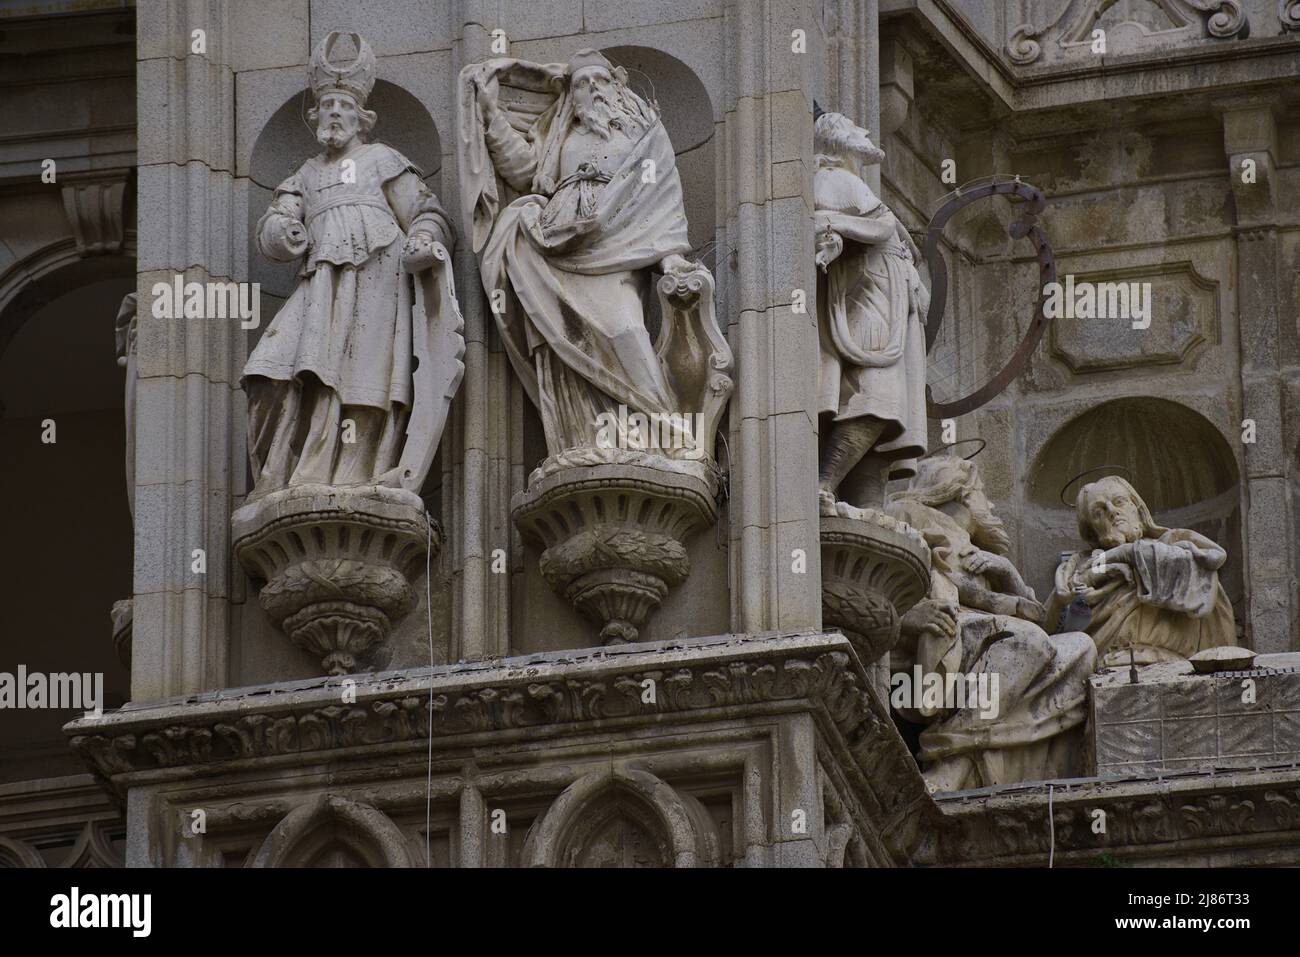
x=596 y=115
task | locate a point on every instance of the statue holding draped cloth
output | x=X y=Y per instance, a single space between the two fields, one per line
x=574 y=201
x=871 y=309
x=570 y=189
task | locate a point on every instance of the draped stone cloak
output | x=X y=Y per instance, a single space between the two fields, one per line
x=348 y=321
x=871 y=306
x=566 y=254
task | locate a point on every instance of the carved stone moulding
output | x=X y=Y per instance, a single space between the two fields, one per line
x=338 y=563
x=615 y=538
x=874 y=569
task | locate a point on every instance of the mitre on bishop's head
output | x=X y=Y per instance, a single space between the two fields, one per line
x=356 y=78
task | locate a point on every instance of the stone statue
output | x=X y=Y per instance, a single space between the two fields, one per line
x=570 y=186
x=331 y=394
x=981 y=619
x=350 y=386
x=567 y=264
x=1150 y=588
x=871 y=309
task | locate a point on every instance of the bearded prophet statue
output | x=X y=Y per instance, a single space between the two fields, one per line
x=871 y=307
x=567 y=262
x=1150 y=589
x=331 y=387
x=981 y=621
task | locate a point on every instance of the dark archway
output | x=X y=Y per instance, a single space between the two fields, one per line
x=68 y=515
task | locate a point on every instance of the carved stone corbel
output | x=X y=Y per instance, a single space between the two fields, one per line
x=94 y=205
x=614 y=523
x=338 y=562
x=874 y=569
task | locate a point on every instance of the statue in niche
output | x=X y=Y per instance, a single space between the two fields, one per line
x=1150 y=589
x=981 y=619
x=332 y=395
x=567 y=264
x=871 y=309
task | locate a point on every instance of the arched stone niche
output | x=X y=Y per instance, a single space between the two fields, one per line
x=1178 y=461
x=333 y=831
x=541 y=621
x=285 y=141
x=622 y=818
x=687 y=115
x=17 y=854
x=68 y=498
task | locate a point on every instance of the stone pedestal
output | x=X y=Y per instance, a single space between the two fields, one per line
x=874 y=569
x=338 y=563
x=1172 y=720
x=614 y=537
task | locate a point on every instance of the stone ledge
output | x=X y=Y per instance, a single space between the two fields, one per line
x=564 y=692
x=1171 y=719
x=1207 y=818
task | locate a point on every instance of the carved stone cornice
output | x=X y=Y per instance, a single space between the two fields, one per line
x=1220 y=20
x=568 y=692
x=1142 y=818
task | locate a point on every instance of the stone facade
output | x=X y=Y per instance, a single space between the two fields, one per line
x=615 y=663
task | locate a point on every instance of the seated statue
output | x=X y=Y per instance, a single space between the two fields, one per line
x=981 y=619
x=1150 y=588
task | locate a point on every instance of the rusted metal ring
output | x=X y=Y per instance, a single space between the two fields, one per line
x=1024 y=227
x=953 y=445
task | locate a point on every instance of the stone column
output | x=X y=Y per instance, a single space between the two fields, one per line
x=1250 y=141
x=854 y=77
x=767 y=167
x=189 y=408
x=480 y=624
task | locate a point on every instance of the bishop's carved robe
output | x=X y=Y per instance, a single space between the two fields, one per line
x=343 y=338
